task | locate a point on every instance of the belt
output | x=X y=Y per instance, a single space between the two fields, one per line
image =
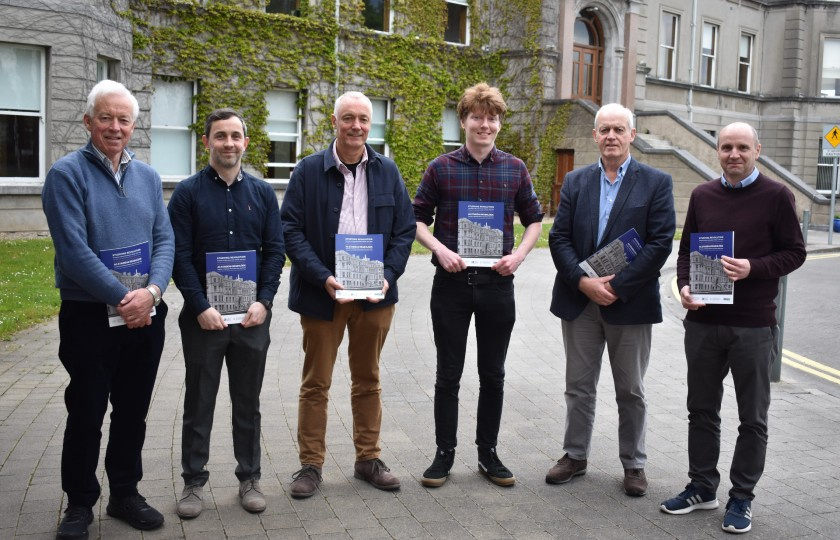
x=475 y=276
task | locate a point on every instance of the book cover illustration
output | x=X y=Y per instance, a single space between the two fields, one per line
x=707 y=281
x=480 y=232
x=614 y=257
x=131 y=266
x=232 y=283
x=359 y=266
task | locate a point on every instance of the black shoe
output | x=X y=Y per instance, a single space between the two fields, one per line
x=491 y=466
x=74 y=524
x=135 y=511
x=437 y=473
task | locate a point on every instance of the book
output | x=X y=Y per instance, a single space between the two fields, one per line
x=480 y=232
x=707 y=281
x=359 y=266
x=614 y=257
x=232 y=283
x=131 y=266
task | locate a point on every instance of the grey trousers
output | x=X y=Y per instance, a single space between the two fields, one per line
x=628 y=347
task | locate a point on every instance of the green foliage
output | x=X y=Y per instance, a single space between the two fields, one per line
x=27 y=285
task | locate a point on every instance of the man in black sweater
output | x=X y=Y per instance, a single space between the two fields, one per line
x=739 y=337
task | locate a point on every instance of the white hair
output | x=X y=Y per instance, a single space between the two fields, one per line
x=107 y=88
x=616 y=108
x=352 y=95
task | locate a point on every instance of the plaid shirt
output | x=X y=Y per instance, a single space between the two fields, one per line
x=456 y=176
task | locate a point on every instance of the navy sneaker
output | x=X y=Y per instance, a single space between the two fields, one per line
x=738 y=518
x=689 y=500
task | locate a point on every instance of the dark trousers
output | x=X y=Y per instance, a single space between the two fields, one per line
x=243 y=350
x=453 y=304
x=712 y=351
x=105 y=363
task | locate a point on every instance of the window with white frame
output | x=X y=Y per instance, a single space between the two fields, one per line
x=708 y=54
x=286 y=7
x=22 y=106
x=284 y=133
x=745 y=52
x=173 y=140
x=452 y=135
x=830 y=86
x=669 y=28
x=378 y=121
x=378 y=15
x=457 y=24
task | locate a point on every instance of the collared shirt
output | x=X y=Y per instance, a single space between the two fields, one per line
x=354 y=205
x=743 y=183
x=125 y=159
x=609 y=191
x=457 y=176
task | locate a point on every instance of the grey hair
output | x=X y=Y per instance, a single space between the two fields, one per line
x=616 y=108
x=107 y=88
x=352 y=95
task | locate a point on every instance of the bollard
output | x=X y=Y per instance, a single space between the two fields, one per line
x=806 y=224
x=776 y=368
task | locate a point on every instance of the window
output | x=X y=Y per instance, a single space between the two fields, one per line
x=377 y=14
x=831 y=68
x=668 y=34
x=173 y=141
x=452 y=139
x=286 y=7
x=708 y=54
x=824 y=170
x=457 y=29
x=22 y=112
x=283 y=127
x=745 y=48
x=376 y=137
x=107 y=68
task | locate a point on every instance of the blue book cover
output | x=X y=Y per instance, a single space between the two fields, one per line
x=480 y=232
x=615 y=256
x=232 y=283
x=359 y=266
x=707 y=281
x=131 y=266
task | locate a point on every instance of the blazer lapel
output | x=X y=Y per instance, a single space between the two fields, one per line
x=627 y=185
x=593 y=187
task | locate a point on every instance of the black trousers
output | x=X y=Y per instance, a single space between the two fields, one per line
x=105 y=363
x=243 y=350
x=454 y=301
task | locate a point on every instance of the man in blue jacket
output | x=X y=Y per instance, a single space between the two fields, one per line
x=96 y=199
x=346 y=189
x=599 y=203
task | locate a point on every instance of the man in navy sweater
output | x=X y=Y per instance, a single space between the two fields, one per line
x=740 y=338
x=101 y=198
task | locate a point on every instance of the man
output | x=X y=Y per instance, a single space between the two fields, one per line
x=346 y=189
x=100 y=198
x=740 y=338
x=224 y=209
x=599 y=203
x=477 y=171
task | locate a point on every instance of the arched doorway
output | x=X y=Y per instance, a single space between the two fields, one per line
x=588 y=57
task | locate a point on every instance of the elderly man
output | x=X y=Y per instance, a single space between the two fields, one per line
x=346 y=189
x=98 y=199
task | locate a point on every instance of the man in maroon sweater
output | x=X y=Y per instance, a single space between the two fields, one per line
x=740 y=338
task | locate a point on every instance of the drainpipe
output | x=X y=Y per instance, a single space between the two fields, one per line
x=335 y=46
x=691 y=68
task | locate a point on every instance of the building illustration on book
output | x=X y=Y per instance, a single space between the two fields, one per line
x=477 y=240
x=609 y=260
x=131 y=280
x=229 y=294
x=706 y=275
x=359 y=272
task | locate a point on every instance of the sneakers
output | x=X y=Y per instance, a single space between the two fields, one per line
x=635 y=482
x=305 y=482
x=491 y=466
x=738 y=518
x=74 y=524
x=689 y=500
x=135 y=511
x=565 y=469
x=250 y=496
x=374 y=472
x=438 y=472
x=191 y=502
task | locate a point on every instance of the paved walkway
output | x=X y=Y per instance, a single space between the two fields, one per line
x=797 y=497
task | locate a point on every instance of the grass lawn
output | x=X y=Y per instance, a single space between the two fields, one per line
x=27 y=291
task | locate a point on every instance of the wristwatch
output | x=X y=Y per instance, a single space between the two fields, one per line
x=267 y=303
x=155 y=294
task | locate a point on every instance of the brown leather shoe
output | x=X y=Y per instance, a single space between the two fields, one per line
x=305 y=482
x=374 y=472
x=565 y=469
x=635 y=482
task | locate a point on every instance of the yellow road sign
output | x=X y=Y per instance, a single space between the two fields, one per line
x=832 y=135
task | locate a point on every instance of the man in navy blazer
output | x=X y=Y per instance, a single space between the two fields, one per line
x=599 y=203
